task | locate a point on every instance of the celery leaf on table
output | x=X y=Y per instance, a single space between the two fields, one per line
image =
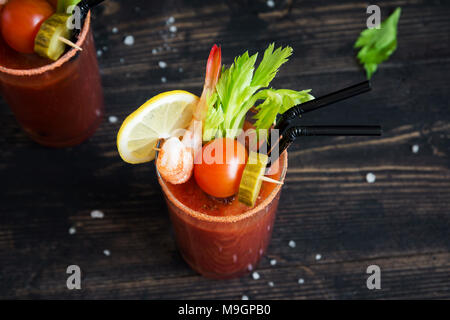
x=377 y=45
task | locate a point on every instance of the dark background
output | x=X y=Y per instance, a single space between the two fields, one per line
x=401 y=222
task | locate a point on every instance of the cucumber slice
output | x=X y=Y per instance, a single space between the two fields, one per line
x=47 y=43
x=64 y=4
x=251 y=178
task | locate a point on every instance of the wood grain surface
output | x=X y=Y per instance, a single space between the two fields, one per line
x=400 y=222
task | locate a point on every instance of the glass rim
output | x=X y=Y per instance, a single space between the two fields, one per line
x=228 y=219
x=56 y=64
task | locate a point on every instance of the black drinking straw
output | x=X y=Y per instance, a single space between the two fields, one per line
x=294 y=113
x=85 y=6
x=302 y=131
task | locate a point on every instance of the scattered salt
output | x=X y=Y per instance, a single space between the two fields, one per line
x=99 y=53
x=162 y=64
x=301 y=281
x=318 y=256
x=163 y=79
x=72 y=230
x=115 y=30
x=171 y=20
x=244 y=297
x=129 y=40
x=173 y=29
x=270 y=283
x=270 y=3
x=273 y=262
x=255 y=275
x=154 y=51
x=97 y=214
x=292 y=244
x=415 y=148
x=370 y=177
x=107 y=253
x=112 y=119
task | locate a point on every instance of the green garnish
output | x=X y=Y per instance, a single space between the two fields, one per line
x=377 y=45
x=64 y=4
x=237 y=91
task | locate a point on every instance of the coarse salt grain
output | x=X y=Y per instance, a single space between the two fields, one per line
x=97 y=214
x=318 y=256
x=271 y=3
x=162 y=64
x=370 y=177
x=173 y=29
x=270 y=283
x=171 y=20
x=129 y=40
x=301 y=281
x=292 y=244
x=99 y=53
x=112 y=119
x=107 y=253
x=72 y=230
x=244 y=297
x=415 y=148
x=273 y=262
x=115 y=30
x=255 y=275
x=163 y=79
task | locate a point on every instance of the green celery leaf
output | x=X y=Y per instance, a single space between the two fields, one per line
x=214 y=118
x=377 y=45
x=270 y=64
x=233 y=87
x=275 y=102
x=237 y=91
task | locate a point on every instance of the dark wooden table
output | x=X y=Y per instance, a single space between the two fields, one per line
x=400 y=222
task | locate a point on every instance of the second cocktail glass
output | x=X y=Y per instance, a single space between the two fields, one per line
x=59 y=104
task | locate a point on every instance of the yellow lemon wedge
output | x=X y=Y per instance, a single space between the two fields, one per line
x=160 y=117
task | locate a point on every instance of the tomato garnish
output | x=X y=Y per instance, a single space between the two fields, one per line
x=21 y=20
x=220 y=171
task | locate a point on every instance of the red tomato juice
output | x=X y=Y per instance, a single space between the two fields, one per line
x=222 y=238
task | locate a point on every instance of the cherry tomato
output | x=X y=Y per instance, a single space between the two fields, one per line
x=21 y=20
x=218 y=168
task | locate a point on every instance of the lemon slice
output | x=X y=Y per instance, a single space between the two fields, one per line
x=160 y=117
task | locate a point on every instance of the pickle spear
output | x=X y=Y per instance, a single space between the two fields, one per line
x=252 y=178
x=48 y=42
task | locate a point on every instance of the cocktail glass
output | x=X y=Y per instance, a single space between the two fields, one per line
x=224 y=247
x=59 y=104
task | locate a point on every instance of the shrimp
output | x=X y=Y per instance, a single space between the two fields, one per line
x=175 y=161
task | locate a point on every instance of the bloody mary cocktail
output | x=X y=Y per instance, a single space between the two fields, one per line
x=57 y=103
x=222 y=238
x=212 y=159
